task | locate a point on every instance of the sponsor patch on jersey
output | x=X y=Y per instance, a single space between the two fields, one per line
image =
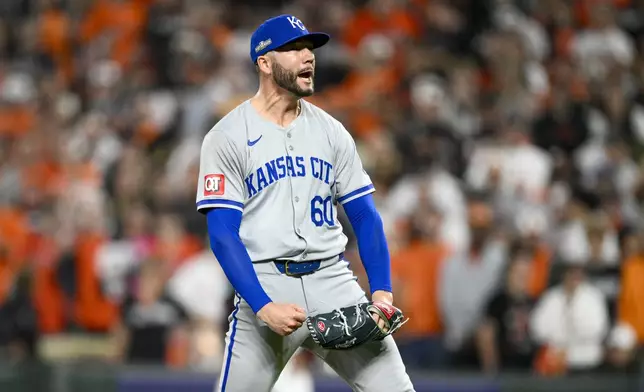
x=214 y=184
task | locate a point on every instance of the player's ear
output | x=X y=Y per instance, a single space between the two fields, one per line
x=264 y=64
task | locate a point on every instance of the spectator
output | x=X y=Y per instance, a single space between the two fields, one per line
x=514 y=167
x=564 y=125
x=621 y=348
x=18 y=322
x=151 y=320
x=629 y=310
x=530 y=224
x=296 y=375
x=503 y=338
x=117 y=259
x=468 y=281
x=440 y=188
x=603 y=42
x=202 y=289
x=416 y=270
x=570 y=323
x=587 y=237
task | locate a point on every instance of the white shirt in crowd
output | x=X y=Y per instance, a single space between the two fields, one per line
x=295 y=377
x=593 y=46
x=577 y=324
x=524 y=168
x=445 y=194
x=573 y=245
x=200 y=285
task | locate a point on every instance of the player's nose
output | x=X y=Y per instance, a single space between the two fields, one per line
x=307 y=55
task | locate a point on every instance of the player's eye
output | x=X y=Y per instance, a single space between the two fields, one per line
x=297 y=45
x=287 y=48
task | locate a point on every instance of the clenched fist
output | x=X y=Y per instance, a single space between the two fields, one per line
x=283 y=319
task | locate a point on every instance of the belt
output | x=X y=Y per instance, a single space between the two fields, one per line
x=299 y=268
x=294 y=268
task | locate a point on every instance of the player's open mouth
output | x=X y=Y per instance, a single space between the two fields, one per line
x=307 y=76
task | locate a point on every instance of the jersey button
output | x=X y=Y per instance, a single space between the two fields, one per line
x=297 y=199
x=290 y=148
x=304 y=256
x=288 y=135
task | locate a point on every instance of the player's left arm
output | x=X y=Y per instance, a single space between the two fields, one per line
x=353 y=190
x=372 y=245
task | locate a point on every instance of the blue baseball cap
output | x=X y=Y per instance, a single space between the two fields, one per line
x=279 y=31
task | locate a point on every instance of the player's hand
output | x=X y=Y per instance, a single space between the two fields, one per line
x=283 y=319
x=381 y=296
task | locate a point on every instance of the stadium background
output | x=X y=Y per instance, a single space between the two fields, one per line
x=504 y=137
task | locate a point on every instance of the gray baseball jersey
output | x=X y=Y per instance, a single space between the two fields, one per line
x=286 y=181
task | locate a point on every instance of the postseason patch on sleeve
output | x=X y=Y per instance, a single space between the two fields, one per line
x=214 y=185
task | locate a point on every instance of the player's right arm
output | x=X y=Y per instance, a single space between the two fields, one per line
x=220 y=195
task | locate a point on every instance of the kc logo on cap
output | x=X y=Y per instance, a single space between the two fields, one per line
x=295 y=22
x=279 y=31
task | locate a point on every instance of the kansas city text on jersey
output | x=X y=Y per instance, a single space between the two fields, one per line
x=291 y=166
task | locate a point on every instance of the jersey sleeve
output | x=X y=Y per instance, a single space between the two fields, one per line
x=221 y=182
x=351 y=180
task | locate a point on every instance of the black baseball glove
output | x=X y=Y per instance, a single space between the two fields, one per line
x=352 y=326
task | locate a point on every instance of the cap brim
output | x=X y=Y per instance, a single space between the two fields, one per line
x=317 y=39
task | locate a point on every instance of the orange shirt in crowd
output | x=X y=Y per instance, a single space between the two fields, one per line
x=417 y=268
x=630 y=307
x=45 y=177
x=352 y=97
x=220 y=36
x=91 y=309
x=14 y=244
x=176 y=252
x=85 y=172
x=55 y=40
x=123 y=21
x=49 y=300
x=14 y=235
x=365 y=22
x=16 y=120
x=582 y=8
x=540 y=271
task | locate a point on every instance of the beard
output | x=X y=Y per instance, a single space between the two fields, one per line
x=288 y=81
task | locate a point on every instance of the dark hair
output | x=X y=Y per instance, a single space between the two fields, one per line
x=475 y=195
x=517 y=248
x=513 y=258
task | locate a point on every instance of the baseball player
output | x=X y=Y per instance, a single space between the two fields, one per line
x=272 y=173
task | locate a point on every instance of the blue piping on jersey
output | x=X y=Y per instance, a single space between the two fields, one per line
x=356 y=192
x=229 y=356
x=220 y=201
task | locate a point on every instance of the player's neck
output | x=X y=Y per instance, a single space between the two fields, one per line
x=277 y=105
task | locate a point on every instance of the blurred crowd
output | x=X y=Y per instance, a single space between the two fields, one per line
x=505 y=139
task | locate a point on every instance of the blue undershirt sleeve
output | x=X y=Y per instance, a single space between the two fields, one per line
x=372 y=243
x=223 y=231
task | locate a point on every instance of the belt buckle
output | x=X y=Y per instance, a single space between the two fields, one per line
x=286 y=268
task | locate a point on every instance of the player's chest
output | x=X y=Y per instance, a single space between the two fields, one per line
x=278 y=160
